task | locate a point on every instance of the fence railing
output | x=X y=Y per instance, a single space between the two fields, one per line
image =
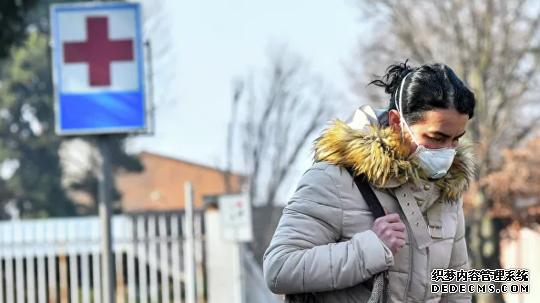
x=58 y=260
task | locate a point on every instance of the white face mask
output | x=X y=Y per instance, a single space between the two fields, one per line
x=435 y=162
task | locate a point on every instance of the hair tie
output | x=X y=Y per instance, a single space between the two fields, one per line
x=406 y=72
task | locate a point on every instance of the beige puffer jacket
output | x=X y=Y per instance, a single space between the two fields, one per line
x=324 y=243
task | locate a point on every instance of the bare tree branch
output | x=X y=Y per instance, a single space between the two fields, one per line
x=238 y=91
x=523 y=133
x=277 y=116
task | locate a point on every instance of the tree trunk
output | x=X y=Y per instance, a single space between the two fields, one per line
x=484 y=241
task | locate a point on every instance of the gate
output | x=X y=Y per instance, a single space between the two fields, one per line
x=58 y=260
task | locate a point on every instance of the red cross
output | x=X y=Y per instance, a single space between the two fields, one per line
x=98 y=51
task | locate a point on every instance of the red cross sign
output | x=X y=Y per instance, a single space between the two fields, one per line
x=98 y=51
x=98 y=67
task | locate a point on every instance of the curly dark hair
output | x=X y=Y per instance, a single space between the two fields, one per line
x=429 y=87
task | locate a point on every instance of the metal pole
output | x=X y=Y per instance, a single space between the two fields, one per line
x=150 y=85
x=191 y=286
x=105 y=219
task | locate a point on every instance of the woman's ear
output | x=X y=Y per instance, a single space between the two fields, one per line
x=394 y=120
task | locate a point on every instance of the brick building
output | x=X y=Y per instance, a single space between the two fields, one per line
x=161 y=185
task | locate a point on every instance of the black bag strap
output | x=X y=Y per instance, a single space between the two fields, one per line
x=378 y=211
x=369 y=195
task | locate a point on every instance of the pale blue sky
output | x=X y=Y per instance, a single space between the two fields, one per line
x=214 y=41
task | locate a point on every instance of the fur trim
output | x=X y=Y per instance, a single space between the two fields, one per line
x=380 y=155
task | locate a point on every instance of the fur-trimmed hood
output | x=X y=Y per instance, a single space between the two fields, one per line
x=380 y=155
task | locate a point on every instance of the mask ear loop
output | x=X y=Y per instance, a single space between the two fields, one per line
x=401 y=118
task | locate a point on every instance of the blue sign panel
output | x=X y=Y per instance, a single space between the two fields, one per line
x=98 y=68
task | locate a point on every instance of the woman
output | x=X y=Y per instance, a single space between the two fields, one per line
x=329 y=245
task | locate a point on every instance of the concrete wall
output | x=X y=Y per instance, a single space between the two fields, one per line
x=222 y=273
x=522 y=250
x=220 y=263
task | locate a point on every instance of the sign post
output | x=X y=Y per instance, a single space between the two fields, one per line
x=191 y=285
x=236 y=226
x=98 y=78
x=105 y=222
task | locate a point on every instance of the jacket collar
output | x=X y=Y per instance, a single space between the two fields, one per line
x=379 y=154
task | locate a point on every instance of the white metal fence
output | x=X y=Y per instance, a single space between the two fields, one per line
x=58 y=260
